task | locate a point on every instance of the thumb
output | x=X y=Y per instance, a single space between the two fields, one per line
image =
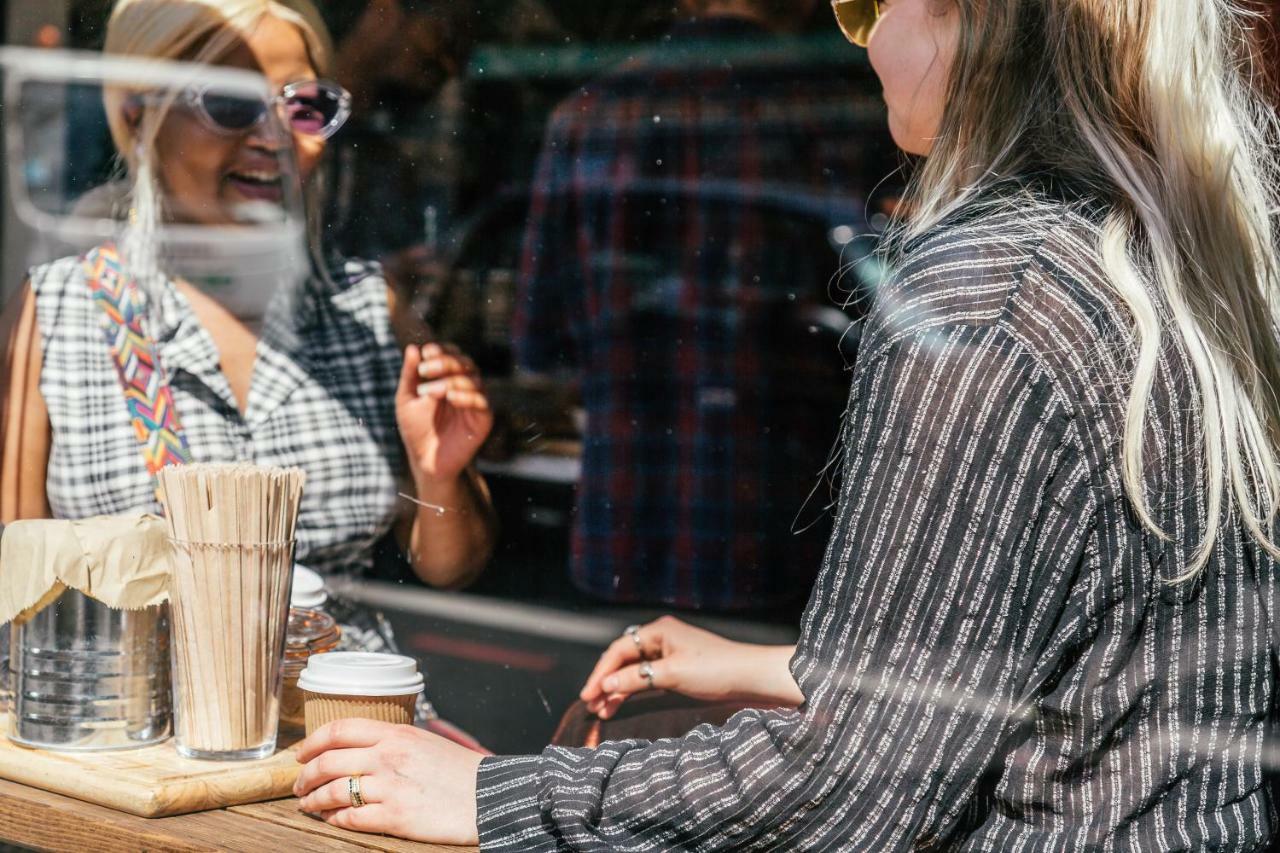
x=408 y=389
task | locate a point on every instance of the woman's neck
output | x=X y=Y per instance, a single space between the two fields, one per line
x=235 y=340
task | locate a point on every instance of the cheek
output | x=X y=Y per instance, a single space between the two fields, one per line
x=308 y=151
x=913 y=66
x=190 y=158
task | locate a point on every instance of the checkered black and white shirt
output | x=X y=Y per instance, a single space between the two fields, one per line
x=322 y=399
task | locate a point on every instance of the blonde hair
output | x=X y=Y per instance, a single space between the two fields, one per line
x=197 y=31
x=1151 y=106
x=201 y=31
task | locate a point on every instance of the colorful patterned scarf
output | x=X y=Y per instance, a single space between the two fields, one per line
x=142 y=378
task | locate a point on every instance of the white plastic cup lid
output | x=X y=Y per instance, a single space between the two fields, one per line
x=361 y=674
x=308 y=589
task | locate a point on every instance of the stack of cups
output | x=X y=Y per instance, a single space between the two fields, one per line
x=370 y=686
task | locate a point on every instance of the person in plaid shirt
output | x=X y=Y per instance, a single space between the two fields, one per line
x=676 y=240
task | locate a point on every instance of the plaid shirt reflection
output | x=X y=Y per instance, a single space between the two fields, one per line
x=677 y=233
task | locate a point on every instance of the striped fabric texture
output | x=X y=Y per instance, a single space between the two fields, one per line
x=991 y=657
x=322 y=398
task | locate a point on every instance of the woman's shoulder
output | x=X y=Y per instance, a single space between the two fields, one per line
x=353 y=290
x=60 y=291
x=351 y=285
x=57 y=274
x=974 y=268
x=346 y=273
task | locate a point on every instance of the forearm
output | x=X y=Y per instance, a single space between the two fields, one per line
x=453 y=530
x=764 y=676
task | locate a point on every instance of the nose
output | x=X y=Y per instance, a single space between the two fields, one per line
x=268 y=137
x=270 y=134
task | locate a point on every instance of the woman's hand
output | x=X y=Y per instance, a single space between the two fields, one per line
x=414 y=784
x=442 y=412
x=692 y=662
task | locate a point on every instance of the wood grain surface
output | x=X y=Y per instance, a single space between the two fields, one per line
x=285 y=813
x=46 y=821
x=151 y=782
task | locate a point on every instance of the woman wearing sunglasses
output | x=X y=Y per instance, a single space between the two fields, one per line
x=385 y=429
x=1046 y=619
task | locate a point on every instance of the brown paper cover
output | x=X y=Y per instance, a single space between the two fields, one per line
x=122 y=561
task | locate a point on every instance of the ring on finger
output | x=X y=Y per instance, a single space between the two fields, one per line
x=353 y=791
x=633 y=631
x=646 y=672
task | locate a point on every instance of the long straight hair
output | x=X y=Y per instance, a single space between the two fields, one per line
x=1153 y=106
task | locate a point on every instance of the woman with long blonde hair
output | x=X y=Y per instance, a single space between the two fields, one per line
x=1046 y=615
x=384 y=426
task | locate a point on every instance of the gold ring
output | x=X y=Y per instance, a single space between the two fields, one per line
x=353 y=789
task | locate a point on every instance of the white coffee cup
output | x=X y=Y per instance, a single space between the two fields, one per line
x=367 y=685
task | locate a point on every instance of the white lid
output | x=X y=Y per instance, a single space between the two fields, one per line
x=361 y=674
x=308 y=589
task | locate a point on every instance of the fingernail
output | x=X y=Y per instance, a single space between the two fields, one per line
x=437 y=389
x=611 y=684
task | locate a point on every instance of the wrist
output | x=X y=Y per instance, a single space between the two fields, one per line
x=765 y=675
x=745 y=662
x=443 y=491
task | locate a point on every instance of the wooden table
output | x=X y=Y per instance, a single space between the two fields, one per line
x=38 y=819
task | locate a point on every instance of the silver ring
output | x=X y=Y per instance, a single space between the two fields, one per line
x=353 y=791
x=646 y=672
x=633 y=631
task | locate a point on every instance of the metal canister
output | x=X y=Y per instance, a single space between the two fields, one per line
x=84 y=677
x=4 y=659
x=4 y=669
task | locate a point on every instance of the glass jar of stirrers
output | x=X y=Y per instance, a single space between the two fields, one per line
x=232 y=530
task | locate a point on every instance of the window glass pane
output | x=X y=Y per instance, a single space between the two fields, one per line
x=651 y=227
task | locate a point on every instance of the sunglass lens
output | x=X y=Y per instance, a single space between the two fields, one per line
x=232 y=112
x=312 y=108
x=857 y=18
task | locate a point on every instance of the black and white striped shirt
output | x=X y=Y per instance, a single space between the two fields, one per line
x=991 y=659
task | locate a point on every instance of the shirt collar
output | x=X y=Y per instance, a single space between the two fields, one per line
x=185 y=347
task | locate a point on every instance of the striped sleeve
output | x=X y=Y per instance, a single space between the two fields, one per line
x=962 y=516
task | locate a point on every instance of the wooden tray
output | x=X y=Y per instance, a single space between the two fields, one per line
x=150 y=782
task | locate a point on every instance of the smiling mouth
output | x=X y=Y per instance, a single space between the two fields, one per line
x=257 y=185
x=259 y=178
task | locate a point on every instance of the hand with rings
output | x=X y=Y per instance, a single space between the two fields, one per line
x=633 y=632
x=671 y=655
x=369 y=776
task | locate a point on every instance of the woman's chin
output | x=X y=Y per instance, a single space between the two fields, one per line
x=914 y=143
